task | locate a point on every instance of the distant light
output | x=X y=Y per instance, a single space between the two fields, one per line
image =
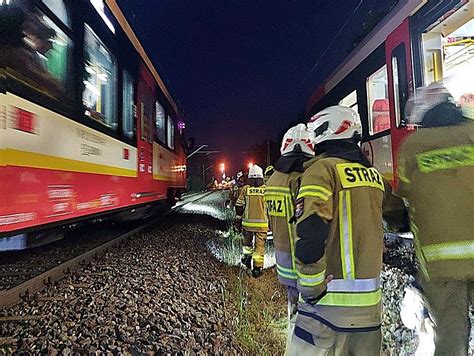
x=250 y=165
x=222 y=167
x=181 y=125
x=4 y=2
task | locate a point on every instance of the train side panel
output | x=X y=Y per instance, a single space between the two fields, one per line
x=55 y=169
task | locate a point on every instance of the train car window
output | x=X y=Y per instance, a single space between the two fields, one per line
x=448 y=53
x=377 y=96
x=99 y=80
x=350 y=101
x=400 y=83
x=36 y=49
x=58 y=8
x=170 y=129
x=127 y=105
x=160 y=123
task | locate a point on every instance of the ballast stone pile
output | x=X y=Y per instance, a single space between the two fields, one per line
x=399 y=270
x=160 y=293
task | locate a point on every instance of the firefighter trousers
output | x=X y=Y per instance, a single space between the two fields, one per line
x=292 y=312
x=257 y=252
x=449 y=302
x=324 y=341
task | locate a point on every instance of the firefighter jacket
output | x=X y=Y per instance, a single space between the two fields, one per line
x=343 y=198
x=436 y=172
x=280 y=198
x=251 y=199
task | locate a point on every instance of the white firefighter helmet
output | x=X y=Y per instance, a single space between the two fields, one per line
x=334 y=123
x=297 y=136
x=426 y=98
x=255 y=172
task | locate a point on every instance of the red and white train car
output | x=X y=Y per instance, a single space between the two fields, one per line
x=87 y=126
x=417 y=43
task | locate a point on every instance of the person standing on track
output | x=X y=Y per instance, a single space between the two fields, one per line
x=280 y=198
x=250 y=210
x=436 y=172
x=340 y=242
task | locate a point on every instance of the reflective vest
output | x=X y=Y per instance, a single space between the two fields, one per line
x=348 y=196
x=280 y=198
x=254 y=218
x=436 y=172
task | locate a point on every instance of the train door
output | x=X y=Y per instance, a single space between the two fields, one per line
x=145 y=100
x=400 y=85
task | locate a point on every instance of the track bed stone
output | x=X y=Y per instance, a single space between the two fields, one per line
x=159 y=293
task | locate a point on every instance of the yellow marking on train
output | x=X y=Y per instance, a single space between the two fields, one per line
x=163 y=177
x=12 y=157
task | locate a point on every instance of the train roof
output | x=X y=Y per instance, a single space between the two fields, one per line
x=375 y=38
x=120 y=17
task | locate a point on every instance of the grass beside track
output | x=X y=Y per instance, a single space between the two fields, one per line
x=260 y=325
x=259 y=304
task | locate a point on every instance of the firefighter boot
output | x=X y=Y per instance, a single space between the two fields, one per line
x=247 y=261
x=256 y=272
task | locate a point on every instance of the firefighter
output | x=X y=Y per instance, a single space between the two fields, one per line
x=250 y=210
x=280 y=198
x=238 y=185
x=436 y=171
x=340 y=242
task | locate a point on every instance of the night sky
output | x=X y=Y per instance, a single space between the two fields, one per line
x=241 y=69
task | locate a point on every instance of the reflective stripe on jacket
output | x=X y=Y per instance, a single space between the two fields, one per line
x=347 y=196
x=436 y=171
x=279 y=199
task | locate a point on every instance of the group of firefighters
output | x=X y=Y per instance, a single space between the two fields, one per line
x=325 y=204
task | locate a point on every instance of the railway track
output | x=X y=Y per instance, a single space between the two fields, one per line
x=22 y=274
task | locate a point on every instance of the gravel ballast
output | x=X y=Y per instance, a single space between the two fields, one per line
x=159 y=293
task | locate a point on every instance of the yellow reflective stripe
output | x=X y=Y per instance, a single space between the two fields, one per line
x=247 y=250
x=311 y=280
x=316 y=188
x=313 y=194
x=254 y=224
x=276 y=194
x=290 y=211
x=314 y=191
x=287 y=276
x=455 y=250
x=285 y=269
x=352 y=299
x=258 y=258
x=345 y=235
x=286 y=272
x=445 y=158
x=278 y=189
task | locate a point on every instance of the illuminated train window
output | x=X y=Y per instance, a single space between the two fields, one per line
x=58 y=8
x=160 y=122
x=99 y=80
x=378 y=106
x=170 y=127
x=127 y=105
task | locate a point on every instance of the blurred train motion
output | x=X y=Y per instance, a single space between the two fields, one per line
x=87 y=126
x=419 y=42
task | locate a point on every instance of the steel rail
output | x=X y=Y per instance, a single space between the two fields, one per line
x=27 y=289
